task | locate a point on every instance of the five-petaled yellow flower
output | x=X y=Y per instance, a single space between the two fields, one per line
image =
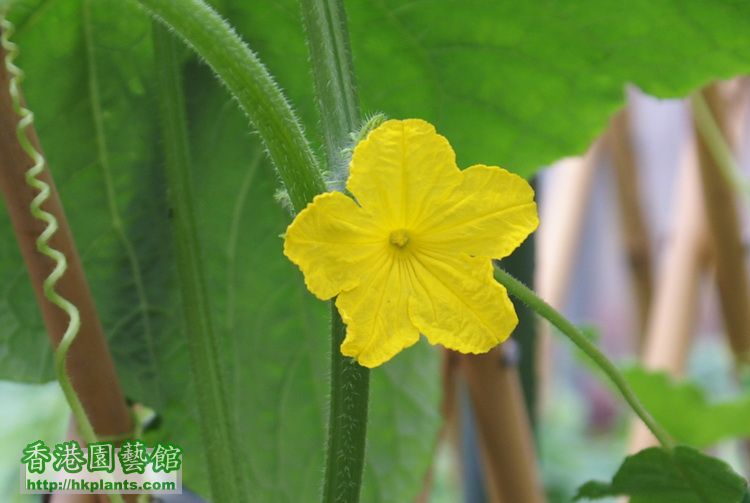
x=413 y=254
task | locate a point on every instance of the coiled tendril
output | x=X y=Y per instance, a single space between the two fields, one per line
x=42 y=243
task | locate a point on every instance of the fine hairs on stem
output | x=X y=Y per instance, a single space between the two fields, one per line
x=336 y=94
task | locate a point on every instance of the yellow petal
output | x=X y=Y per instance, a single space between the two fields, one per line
x=488 y=215
x=333 y=241
x=458 y=303
x=401 y=170
x=376 y=313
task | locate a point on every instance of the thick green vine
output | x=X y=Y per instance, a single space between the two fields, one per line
x=247 y=79
x=203 y=345
x=333 y=74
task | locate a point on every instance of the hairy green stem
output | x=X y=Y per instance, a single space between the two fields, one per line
x=347 y=421
x=332 y=69
x=528 y=297
x=247 y=79
x=203 y=345
x=718 y=146
x=330 y=57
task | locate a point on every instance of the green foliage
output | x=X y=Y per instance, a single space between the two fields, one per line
x=682 y=408
x=520 y=83
x=682 y=476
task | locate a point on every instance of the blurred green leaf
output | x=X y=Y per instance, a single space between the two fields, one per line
x=683 y=476
x=683 y=409
x=519 y=83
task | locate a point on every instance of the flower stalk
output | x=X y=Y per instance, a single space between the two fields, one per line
x=330 y=55
x=347 y=421
x=528 y=297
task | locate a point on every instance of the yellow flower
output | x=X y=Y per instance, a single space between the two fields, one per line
x=413 y=254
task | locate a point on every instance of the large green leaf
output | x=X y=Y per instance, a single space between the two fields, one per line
x=517 y=83
x=683 y=476
x=97 y=121
x=682 y=408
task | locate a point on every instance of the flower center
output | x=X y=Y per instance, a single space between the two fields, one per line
x=399 y=238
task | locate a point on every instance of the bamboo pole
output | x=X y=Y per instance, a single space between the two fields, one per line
x=726 y=241
x=671 y=324
x=89 y=363
x=563 y=213
x=506 y=442
x=634 y=228
x=449 y=429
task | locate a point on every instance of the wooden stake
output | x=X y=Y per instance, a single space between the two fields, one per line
x=671 y=325
x=449 y=429
x=504 y=432
x=90 y=364
x=726 y=242
x=562 y=218
x=635 y=232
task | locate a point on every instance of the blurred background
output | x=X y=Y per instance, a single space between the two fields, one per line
x=624 y=249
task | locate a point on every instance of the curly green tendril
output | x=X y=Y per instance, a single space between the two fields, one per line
x=85 y=429
x=42 y=243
